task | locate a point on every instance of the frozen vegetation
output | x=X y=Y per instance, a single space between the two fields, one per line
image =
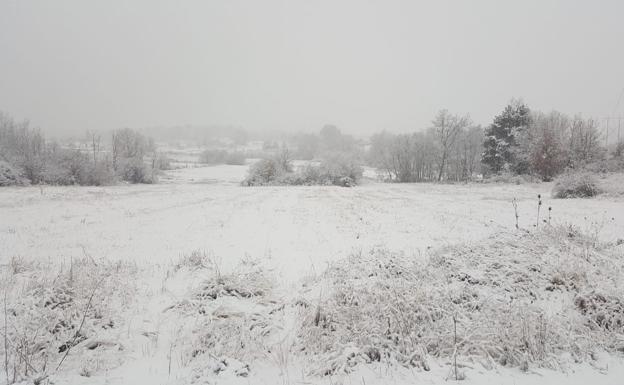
x=200 y=280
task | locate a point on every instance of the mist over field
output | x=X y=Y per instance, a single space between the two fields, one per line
x=290 y=192
x=290 y=65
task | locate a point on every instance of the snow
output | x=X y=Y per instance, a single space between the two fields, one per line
x=295 y=231
x=297 y=228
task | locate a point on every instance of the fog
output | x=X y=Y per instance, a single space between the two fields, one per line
x=364 y=66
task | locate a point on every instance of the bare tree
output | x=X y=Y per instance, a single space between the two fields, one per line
x=403 y=158
x=380 y=154
x=446 y=127
x=114 y=149
x=584 y=141
x=547 y=137
x=473 y=145
x=283 y=159
x=95 y=140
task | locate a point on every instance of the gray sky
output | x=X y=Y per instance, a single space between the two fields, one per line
x=296 y=65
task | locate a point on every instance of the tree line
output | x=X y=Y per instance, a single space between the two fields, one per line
x=27 y=157
x=519 y=141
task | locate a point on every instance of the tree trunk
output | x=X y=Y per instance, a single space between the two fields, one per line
x=442 y=164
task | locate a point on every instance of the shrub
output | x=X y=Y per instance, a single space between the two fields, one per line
x=292 y=179
x=341 y=169
x=311 y=175
x=337 y=170
x=28 y=157
x=575 y=185
x=134 y=170
x=263 y=172
x=32 y=168
x=9 y=176
x=55 y=174
x=61 y=167
x=100 y=174
x=65 y=167
x=69 y=167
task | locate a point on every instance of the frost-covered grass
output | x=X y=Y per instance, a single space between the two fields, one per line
x=63 y=317
x=519 y=299
x=239 y=312
x=550 y=298
x=228 y=318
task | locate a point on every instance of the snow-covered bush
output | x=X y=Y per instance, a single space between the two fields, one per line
x=263 y=172
x=28 y=154
x=293 y=179
x=575 y=185
x=135 y=170
x=9 y=176
x=100 y=174
x=311 y=175
x=337 y=169
x=488 y=303
x=65 y=167
x=341 y=169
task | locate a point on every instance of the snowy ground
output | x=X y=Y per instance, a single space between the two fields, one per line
x=294 y=231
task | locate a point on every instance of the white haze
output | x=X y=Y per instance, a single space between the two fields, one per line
x=296 y=65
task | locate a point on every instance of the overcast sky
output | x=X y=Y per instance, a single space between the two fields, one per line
x=296 y=65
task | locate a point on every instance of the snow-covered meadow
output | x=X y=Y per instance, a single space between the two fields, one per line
x=258 y=255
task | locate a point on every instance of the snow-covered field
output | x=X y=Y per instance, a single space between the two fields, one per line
x=293 y=232
x=296 y=228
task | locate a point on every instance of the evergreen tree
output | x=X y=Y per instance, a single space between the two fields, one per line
x=502 y=139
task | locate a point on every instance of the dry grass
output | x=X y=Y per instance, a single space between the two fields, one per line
x=519 y=299
x=229 y=319
x=53 y=315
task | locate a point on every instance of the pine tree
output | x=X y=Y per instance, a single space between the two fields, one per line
x=502 y=142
